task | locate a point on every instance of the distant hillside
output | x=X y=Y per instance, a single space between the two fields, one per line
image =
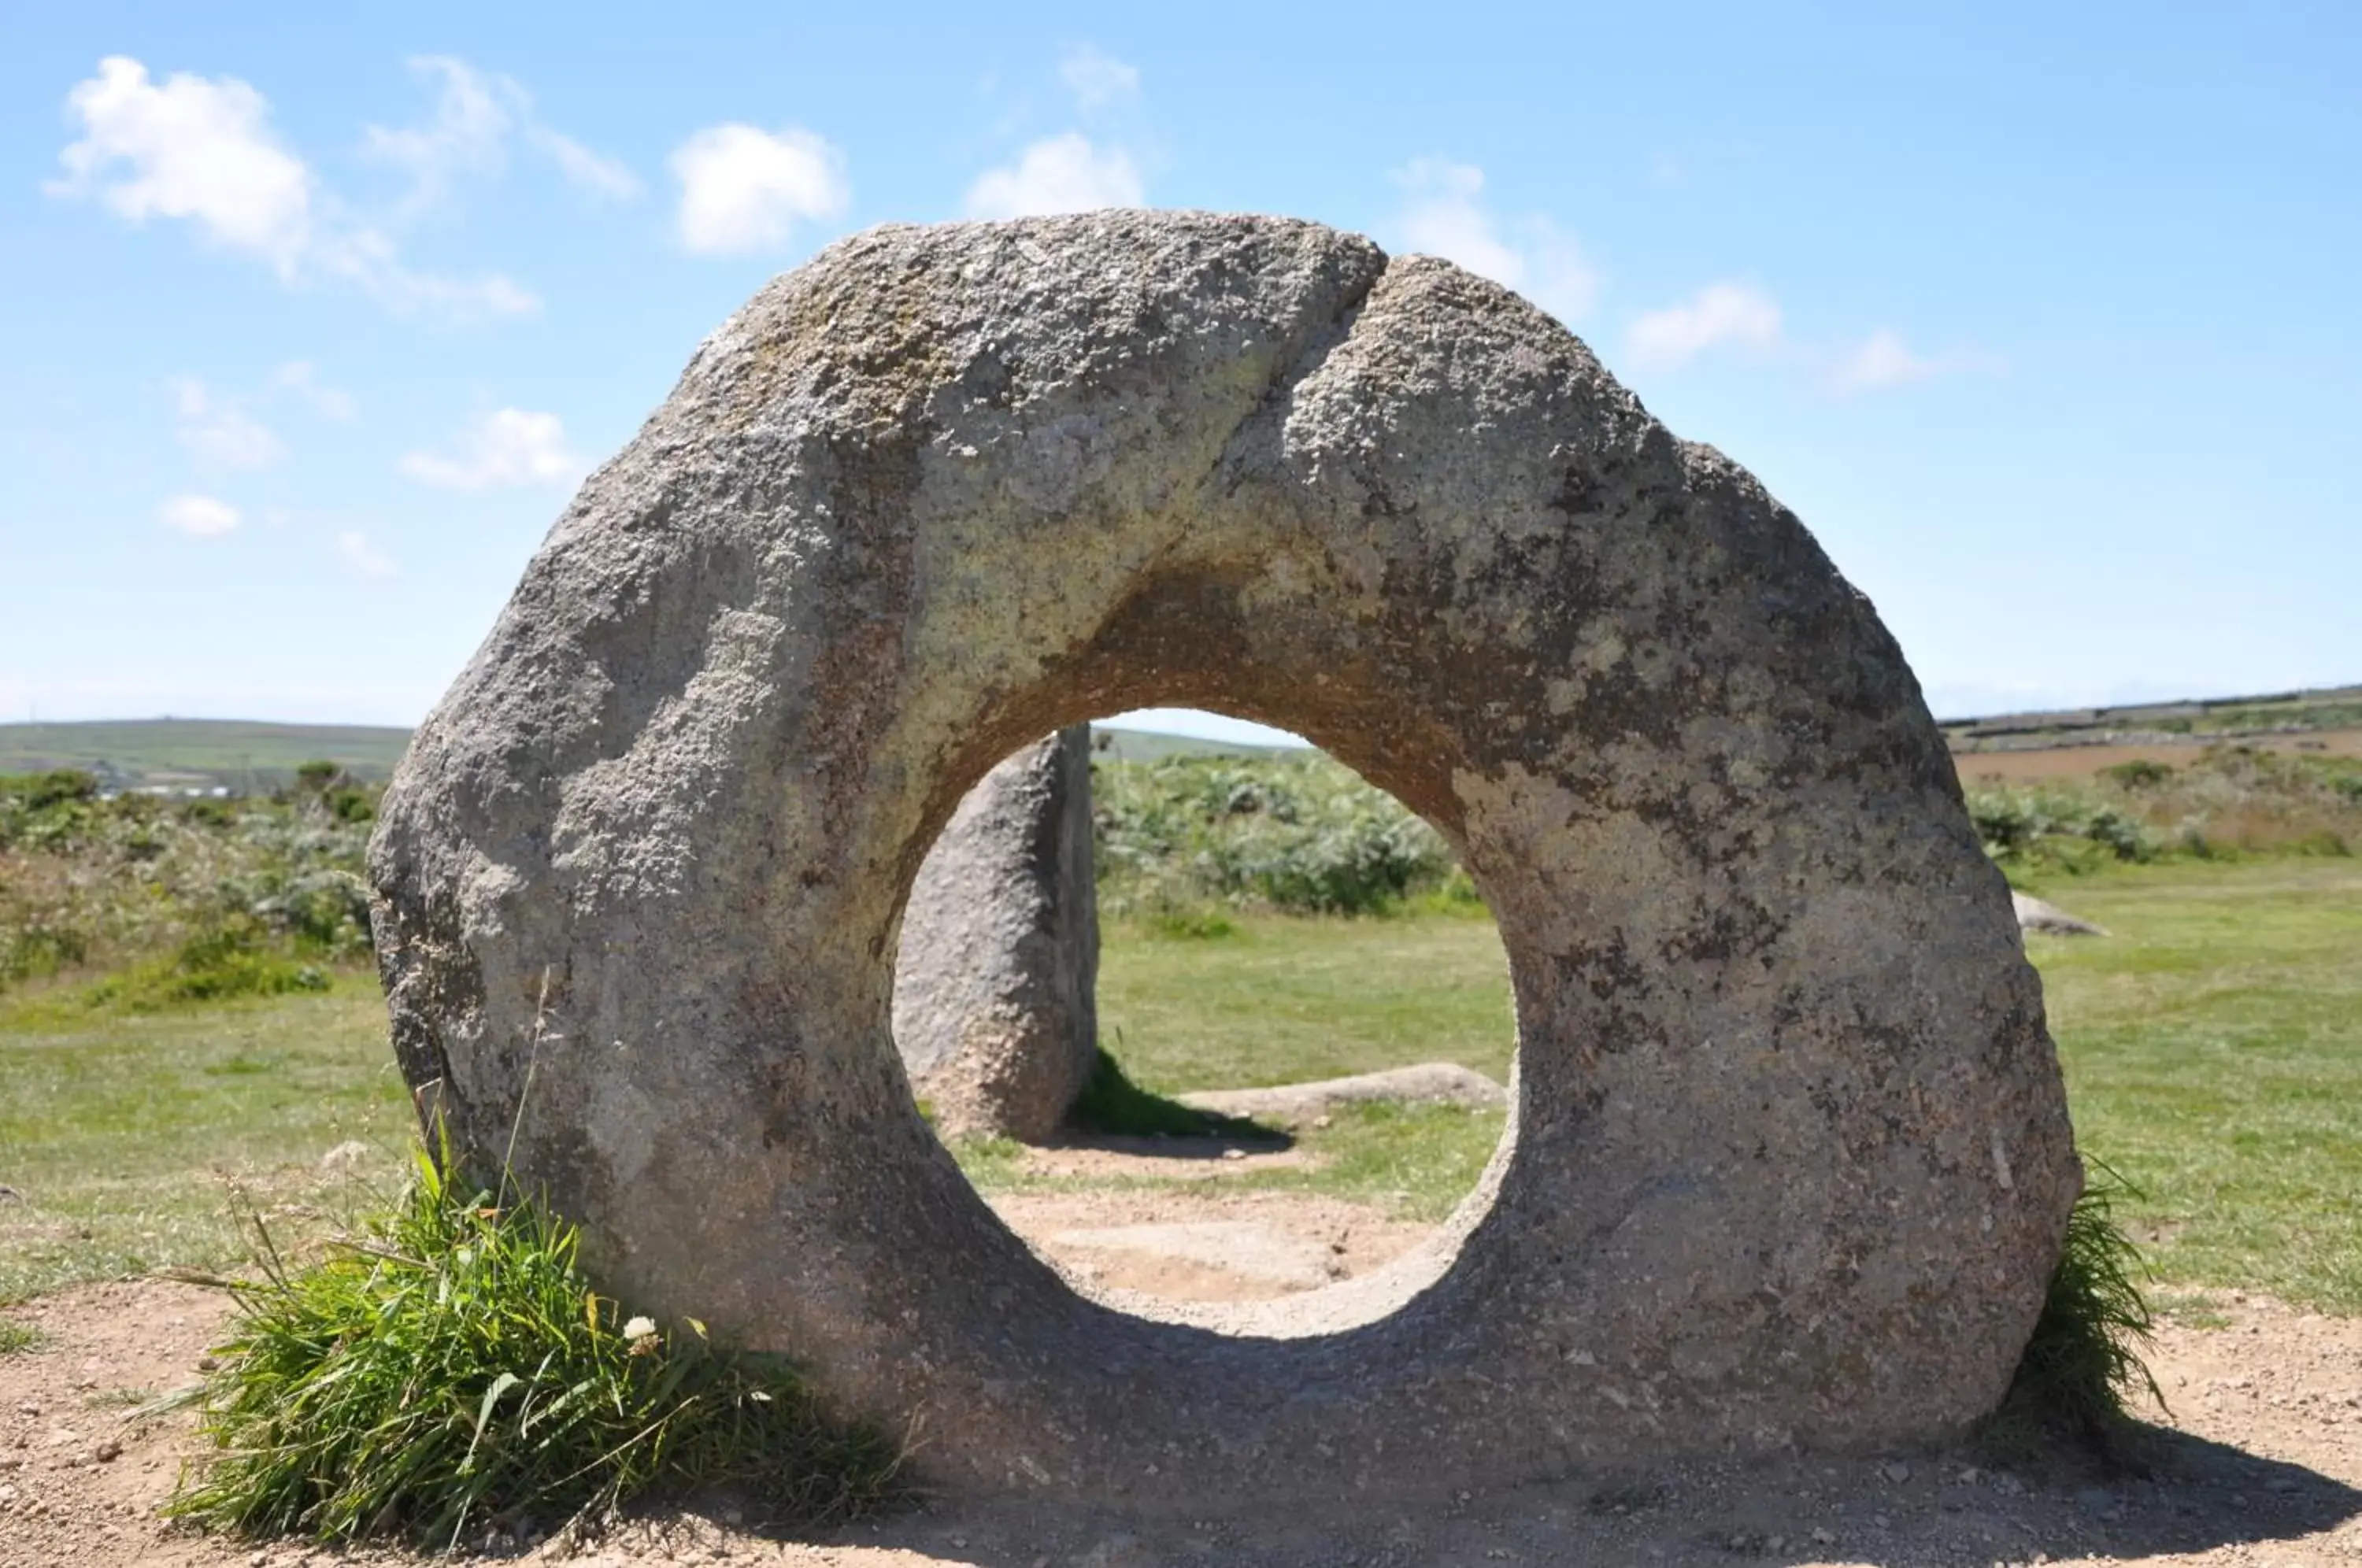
x=2213 y=718
x=247 y=757
x=238 y=755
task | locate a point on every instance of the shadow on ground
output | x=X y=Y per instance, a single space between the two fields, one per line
x=1111 y=1107
x=1246 y=1137
x=2200 y=1500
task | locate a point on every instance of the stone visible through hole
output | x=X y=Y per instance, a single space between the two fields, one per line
x=997 y=1022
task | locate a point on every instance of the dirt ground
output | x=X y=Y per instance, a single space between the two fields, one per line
x=2261 y=1461
x=2082 y=761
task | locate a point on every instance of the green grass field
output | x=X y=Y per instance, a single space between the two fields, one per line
x=2212 y=1048
x=1283 y=999
x=130 y=1138
x=2214 y=1056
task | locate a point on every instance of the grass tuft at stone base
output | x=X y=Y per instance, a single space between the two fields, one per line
x=448 y=1372
x=2083 y=1371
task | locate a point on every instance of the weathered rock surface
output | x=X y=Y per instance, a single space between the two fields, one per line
x=1422 y=1083
x=2038 y=914
x=995 y=984
x=1789 y=1162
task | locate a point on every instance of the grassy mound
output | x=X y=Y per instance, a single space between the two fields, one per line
x=450 y=1371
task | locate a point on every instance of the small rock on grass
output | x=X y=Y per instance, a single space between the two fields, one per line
x=2038 y=914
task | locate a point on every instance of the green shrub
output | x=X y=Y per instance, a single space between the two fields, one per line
x=44 y=809
x=351 y=805
x=2226 y=800
x=229 y=960
x=1191 y=923
x=321 y=911
x=38 y=951
x=2138 y=774
x=1303 y=834
x=450 y=1370
x=43 y=791
x=127 y=883
x=2057 y=828
x=1456 y=894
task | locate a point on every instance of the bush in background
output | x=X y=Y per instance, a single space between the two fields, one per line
x=201 y=897
x=1181 y=836
x=2226 y=800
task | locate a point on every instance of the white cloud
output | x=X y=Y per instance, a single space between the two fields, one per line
x=1742 y=316
x=363 y=555
x=477 y=115
x=1443 y=215
x=198 y=516
x=366 y=259
x=507 y=446
x=1883 y=361
x=1096 y=79
x=1065 y=173
x=743 y=189
x=468 y=134
x=599 y=175
x=299 y=377
x=201 y=150
x=218 y=431
x=197 y=149
x=1718 y=316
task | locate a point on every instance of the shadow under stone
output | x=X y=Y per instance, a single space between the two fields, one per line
x=1113 y=1112
x=2197 y=1495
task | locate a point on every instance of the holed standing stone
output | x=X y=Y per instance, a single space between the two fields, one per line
x=1789 y=1162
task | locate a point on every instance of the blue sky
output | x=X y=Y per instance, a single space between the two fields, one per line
x=2044 y=318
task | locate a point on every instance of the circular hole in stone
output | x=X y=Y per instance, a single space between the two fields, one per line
x=1206 y=1022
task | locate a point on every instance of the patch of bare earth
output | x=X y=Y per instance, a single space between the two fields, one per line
x=1161 y=1159
x=1207 y=1246
x=2258 y=1463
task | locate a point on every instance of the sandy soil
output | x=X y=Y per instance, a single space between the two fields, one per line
x=1162 y=1159
x=2082 y=761
x=2260 y=1463
x=1210 y=1246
